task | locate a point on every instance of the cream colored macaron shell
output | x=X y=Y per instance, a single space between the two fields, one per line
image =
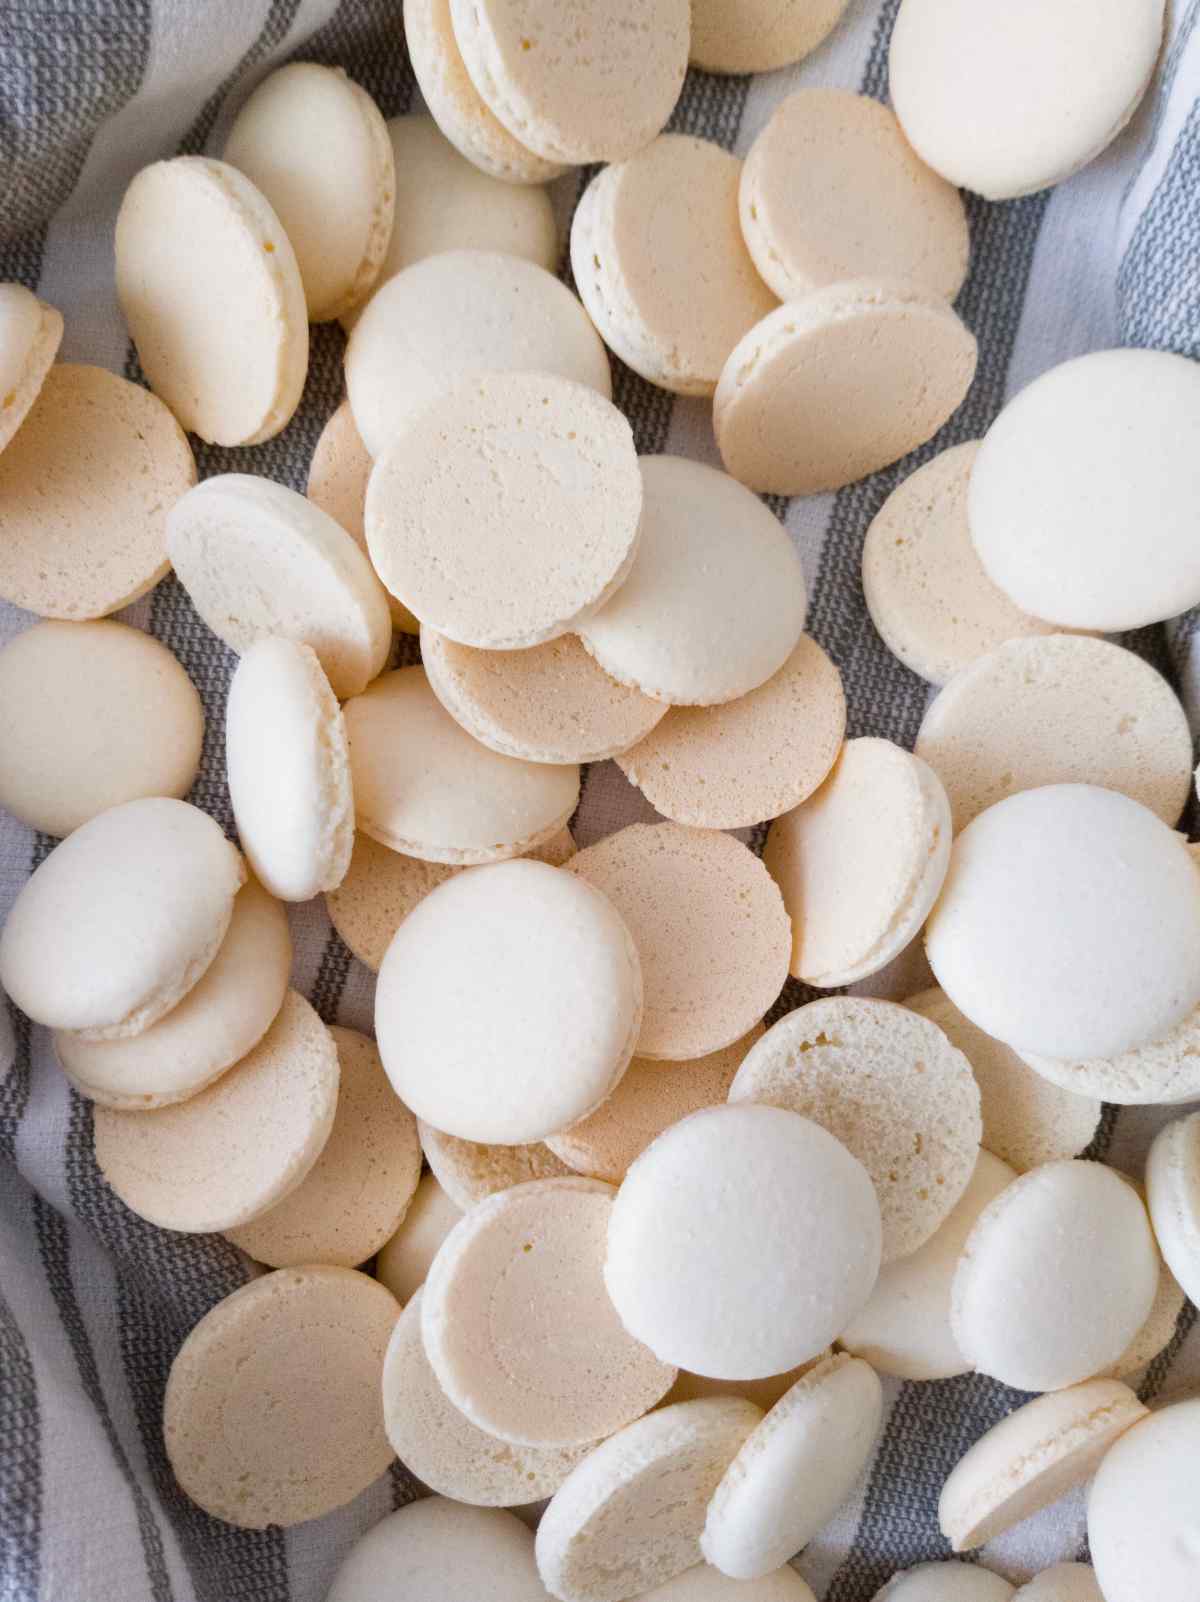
x=469 y=1172
x=122 y=919
x=91 y=715
x=288 y=762
x=1173 y=1190
x=509 y=1003
x=266 y=1425
x=740 y=36
x=946 y=1582
x=715 y=600
x=211 y=291
x=517 y=1325
x=30 y=334
x=403 y=1262
x=1142 y=1509
x=442 y=1549
x=668 y=281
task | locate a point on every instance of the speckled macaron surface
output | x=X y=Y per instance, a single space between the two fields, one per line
x=832 y=189
x=211 y=291
x=30 y=334
x=839 y=383
x=234 y=1151
x=265 y=1424
x=709 y=926
x=84 y=488
x=658 y=256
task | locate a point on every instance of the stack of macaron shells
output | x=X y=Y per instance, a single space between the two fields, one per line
x=648 y=1218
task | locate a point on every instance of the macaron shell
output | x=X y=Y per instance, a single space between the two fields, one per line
x=1065 y=1582
x=794 y=1470
x=352 y=1200
x=837 y=384
x=92 y=715
x=1032 y=1457
x=1162 y=1071
x=337 y=483
x=669 y=283
x=709 y=926
x=443 y=1549
x=552 y=703
x=210 y=288
x=832 y=189
x=631 y=1515
x=234 y=1151
x=30 y=334
x=946 y=1582
x=470 y=1172
x=730 y=766
x=1142 y=1509
x=517 y=1325
x=83 y=491
x=316 y=145
x=223 y=1016
x=1173 y=1190
x=265 y=1425
x=122 y=919
x=257 y=558
x=739 y=36
x=403 y=1261
x=594 y=84
x=443 y=1448
x=892 y=1089
x=457 y=107
x=763 y=1393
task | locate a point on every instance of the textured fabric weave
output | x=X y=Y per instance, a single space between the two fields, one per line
x=93 y=1302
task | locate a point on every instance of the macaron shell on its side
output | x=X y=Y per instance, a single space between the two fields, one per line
x=31 y=331
x=738 y=36
x=1173 y=1191
x=839 y=383
x=1161 y=1072
x=194 y=234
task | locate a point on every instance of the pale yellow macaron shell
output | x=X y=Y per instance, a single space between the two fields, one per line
x=741 y=36
x=30 y=334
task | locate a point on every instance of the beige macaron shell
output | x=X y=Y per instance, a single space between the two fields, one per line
x=946 y=1582
x=1065 y=1582
x=631 y=1515
x=1058 y=710
x=238 y=1148
x=257 y=558
x=223 y=1016
x=594 y=83
x=1057 y=1276
x=316 y=146
x=1030 y=879
x=1036 y=1454
x=860 y=862
x=926 y=590
x=30 y=334
x=650 y=1098
x=1026 y=1119
x=354 y=1197
x=699 y=1265
x=509 y=510
x=84 y=489
x=337 y=483
x=659 y=260
x=715 y=600
x=443 y=1549
x=1080 y=502
x=403 y=1261
x=705 y=1584
x=730 y=766
x=1159 y=1330
x=211 y=291
x=288 y=763
x=470 y=1172
x=509 y=1003
x=763 y=1393
x=709 y=926
x=122 y=919
x=795 y=1470
x=457 y=106
x=443 y=1448
x=904 y=1329
x=832 y=189
x=91 y=715
x=741 y=36
x=456 y=314
x=517 y=1325
x=1173 y=1191
x=1161 y=1072
x=1010 y=101
x=837 y=384
x=1142 y=1509
x=382 y=887
x=272 y=1409
x=424 y=787
x=553 y=703
x=891 y=1088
